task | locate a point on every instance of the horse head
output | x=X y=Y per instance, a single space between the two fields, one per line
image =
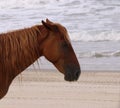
x=57 y=49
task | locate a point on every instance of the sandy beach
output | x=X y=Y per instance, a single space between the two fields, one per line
x=47 y=89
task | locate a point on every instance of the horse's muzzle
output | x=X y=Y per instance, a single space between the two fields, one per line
x=72 y=73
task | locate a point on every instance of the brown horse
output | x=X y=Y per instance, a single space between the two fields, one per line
x=20 y=48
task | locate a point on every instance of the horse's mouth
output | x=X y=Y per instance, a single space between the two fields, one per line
x=69 y=79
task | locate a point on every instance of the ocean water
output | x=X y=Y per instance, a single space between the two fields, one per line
x=93 y=26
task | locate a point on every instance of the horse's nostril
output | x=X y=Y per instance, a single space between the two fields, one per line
x=77 y=73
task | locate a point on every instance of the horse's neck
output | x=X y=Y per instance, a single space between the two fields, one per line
x=32 y=51
x=17 y=53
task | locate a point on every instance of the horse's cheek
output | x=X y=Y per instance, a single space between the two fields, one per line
x=52 y=53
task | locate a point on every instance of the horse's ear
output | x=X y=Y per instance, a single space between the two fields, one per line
x=46 y=25
x=50 y=27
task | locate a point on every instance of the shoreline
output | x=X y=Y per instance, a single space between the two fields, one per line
x=55 y=70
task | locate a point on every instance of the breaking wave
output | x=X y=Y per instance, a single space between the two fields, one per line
x=99 y=54
x=103 y=36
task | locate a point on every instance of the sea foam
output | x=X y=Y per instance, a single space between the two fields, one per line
x=99 y=54
x=103 y=36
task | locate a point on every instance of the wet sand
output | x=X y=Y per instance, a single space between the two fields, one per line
x=49 y=90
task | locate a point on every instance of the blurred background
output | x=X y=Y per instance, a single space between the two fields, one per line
x=93 y=26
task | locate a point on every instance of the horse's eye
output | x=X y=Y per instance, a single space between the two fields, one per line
x=65 y=45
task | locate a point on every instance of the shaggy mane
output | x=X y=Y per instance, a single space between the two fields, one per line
x=17 y=49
